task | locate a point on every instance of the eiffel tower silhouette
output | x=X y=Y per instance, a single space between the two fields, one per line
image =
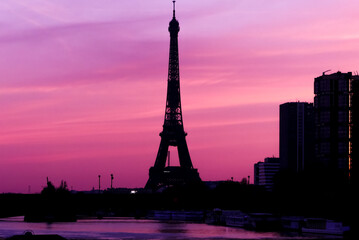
x=173 y=133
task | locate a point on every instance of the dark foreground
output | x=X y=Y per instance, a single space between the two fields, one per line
x=335 y=203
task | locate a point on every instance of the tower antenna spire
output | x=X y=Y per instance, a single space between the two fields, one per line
x=174 y=8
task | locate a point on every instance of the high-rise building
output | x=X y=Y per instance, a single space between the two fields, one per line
x=354 y=134
x=296 y=135
x=264 y=172
x=335 y=120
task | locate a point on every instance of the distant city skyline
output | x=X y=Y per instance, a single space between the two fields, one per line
x=83 y=84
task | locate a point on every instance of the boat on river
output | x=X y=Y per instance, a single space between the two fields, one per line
x=323 y=226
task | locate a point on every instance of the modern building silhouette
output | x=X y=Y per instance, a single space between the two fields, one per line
x=296 y=135
x=173 y=133
x=264 y=172
x=336 y=119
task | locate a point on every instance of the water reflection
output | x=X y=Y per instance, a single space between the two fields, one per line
x=130 y=229
x=172 y=227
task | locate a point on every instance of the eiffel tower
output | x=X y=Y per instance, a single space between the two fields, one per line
x=173 y=133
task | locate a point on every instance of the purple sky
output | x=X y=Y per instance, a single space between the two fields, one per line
x=83 y=83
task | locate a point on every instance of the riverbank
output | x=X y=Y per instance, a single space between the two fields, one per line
x=229 y=195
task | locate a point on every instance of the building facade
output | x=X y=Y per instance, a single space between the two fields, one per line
x=354 y=135
x=264 y=172
x=296 y=135
x=335 y=114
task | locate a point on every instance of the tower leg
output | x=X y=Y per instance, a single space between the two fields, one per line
x=162 y=154
x=183 y=154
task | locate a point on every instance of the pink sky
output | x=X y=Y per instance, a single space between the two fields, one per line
x=83 y=83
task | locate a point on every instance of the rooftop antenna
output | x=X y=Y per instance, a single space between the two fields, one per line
x=326 y=71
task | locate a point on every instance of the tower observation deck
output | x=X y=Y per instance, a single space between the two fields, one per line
x=173 y=133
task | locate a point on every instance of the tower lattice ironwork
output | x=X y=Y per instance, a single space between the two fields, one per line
x=173 y=133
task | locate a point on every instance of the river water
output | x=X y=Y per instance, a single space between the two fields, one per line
x=121 y=228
